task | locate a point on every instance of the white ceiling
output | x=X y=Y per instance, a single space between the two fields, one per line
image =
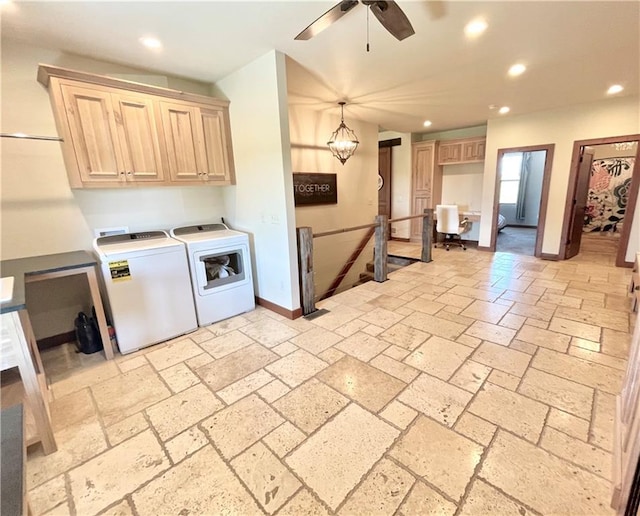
x=574 y=51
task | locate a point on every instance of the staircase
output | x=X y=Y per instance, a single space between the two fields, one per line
x=394 y=263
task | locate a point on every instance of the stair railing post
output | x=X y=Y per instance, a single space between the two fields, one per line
x=427 y=235
x=305 y=265
x=380 y=249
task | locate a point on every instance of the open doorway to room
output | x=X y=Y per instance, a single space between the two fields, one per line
x=520 y=201
x=601 y=200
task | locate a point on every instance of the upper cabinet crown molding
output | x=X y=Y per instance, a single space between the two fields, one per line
x=464 y=150
x=121 y=134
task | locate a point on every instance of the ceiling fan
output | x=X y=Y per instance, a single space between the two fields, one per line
x=388 y=13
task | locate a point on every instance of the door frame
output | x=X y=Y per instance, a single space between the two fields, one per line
x=544 y=194
x=631 y=202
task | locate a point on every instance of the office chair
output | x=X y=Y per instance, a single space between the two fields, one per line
x=449 y=224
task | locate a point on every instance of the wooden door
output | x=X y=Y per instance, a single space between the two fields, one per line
x=422 y=177
x=213 y=156
x=139 y=146
x=384 y=181
x=579 y=202
x=94 y=134
x=181 y=139
x=626 y=453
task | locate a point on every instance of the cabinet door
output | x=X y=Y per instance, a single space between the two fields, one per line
x=182 y=141
x=136 y=124
x=450 y=153
x=94 y=134
x=214 y=155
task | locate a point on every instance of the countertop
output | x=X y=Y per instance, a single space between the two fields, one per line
x=22 y=267
x=12 y=465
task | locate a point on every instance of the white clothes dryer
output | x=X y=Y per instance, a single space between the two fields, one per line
x=146 y=276
x=220 y=265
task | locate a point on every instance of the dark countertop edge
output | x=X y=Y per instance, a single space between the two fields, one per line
x=20 y=268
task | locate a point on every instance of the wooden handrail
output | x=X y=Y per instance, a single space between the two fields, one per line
x=347 y=266
x=421 y=216
x=344 y=230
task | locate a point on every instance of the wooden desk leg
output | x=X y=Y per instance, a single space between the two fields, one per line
x=102 y=320
x=29 y=378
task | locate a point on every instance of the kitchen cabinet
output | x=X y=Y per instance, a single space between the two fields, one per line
x=426 y=181
x=468 y=150
x=120 y=134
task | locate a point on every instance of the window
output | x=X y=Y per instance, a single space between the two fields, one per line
x=510 y=169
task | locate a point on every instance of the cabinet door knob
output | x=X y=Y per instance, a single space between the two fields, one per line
x=129 y=173
x=122 y=173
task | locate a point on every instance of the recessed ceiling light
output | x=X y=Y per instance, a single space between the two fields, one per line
x=616 y=88
x=517 y=69
x=152 y=43
x=504 y=110
x=475 y=27
x=427 y=123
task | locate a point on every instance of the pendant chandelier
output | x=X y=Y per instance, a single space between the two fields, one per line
x=343 y=142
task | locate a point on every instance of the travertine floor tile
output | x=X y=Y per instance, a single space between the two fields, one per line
x=337 y=317
x=180 y=490
x=362 y=346
x=476 y=429
x=222 y=327
x=186 y=443
x=436 y=399
x=558 y=392
x=303 y=503
x=121 y=509
x=505 y=359
x=470 y=376
x=599 y=358
x=48 y=495
x=484 y=311
x=179 y=377
x=310 y=405
x=235 y=366
x=199 y=360
x=485 y=499
x=585 y=344
x=348 y=329
x=578 y=452
x=85 y=378
x=361 y=382
x=522 y=416
x=579 y=370
x=285 y=348
x=612 y=319
x=396 y=352
x=525 y=347
x=381 y=492
x=468 y=340
x=439 y=357
x=269 y=332
x=296 y=367
x=72 y=409
x=273 y=391
x=544 y=338
x=394 y=368
x=516 y=285
x=434 y=325
x=359 y=440
x=532 y=312
x=331 y=355
x=512 y=321
x=444 y=458
x=576 y=329
x=284 y=439
x=316 y=340
x=174 y=352
x=226 y=344
x=604 y=412
x=491 y=332
x=405 y=336
x=506 y=380
x=615 y=343
x=382 y=317
x=454 y=300
x=420 y=304
x=172 y=416
x=372 y=330
x=553 y=486
x=424 y=500
x=126 y=428
x=240 y=425
x=247 y=385
x=398 y=414
x=117 y=472
x=132 y=363
x=569 y=424
x=481 y=294
x=129 y=393
x=265 y=476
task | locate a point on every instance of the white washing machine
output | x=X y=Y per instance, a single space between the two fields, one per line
x=146 y=276
x=220 y=266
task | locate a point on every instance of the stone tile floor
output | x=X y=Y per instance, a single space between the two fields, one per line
x=476 y=384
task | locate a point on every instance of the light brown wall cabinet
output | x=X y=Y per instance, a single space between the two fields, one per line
x=118 y=133
x=468 y=150
x=426 y=181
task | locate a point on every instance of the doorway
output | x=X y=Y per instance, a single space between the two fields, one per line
x=601 y=200
x=384 y=181
x=520 y=200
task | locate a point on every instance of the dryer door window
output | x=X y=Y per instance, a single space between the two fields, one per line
x=222 y=268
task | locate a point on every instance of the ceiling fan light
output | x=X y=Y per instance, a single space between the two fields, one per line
x=343 y=141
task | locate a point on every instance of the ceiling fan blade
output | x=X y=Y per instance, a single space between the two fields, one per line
x=392 y=18
x=331 y=16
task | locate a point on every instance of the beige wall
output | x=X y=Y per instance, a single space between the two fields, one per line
x=41 y=214
x=262 y=201
x=612 y=117
x=357 y=190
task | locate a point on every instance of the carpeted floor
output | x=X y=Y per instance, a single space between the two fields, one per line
x=516 y=240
